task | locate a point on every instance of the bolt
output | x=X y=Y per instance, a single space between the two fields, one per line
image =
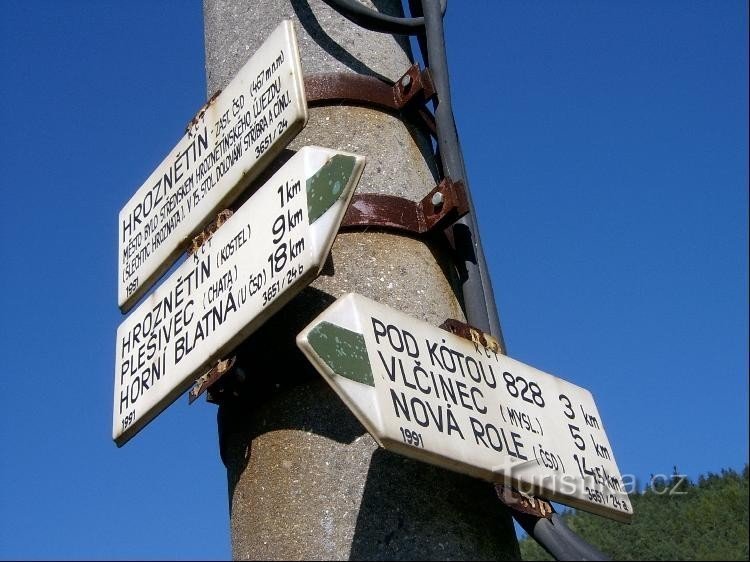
x=437 y=199
x=406 y=82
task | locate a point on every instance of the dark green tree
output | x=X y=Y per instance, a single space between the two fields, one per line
x=675 y=519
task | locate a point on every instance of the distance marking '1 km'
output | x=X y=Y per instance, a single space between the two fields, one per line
x=427 y=394
x=228 y=143
x=269 y=250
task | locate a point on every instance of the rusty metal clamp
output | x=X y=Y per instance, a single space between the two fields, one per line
x=445 y=204
x=414 y=88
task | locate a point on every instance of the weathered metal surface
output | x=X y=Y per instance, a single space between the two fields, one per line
x=439 y=212
x=523 y=503
x=227 y=144
x=332 y=87
x=443 y=205
x=209 y=231
x=430 y=395
x=343 y=86
x=205 y=381
x=513 y=499
x=415 y=85
x=198 y=117
x=410 y=92
x=273 y=246
x=470 y=333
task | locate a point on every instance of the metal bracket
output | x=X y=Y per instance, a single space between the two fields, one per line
x=209 y=231
x=445 y=204
x=415 y=86
x=209 y=378
x=224 y=365
x=523 y=503
x=477 y=337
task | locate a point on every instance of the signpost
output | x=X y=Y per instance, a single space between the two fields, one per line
x=232 y=138
x=428 y=394
x=267 y=252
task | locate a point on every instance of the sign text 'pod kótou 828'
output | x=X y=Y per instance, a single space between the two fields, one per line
x=268 y=251
x=226 y=145
x=428 y=394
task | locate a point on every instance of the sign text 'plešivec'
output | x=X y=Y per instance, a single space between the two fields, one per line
x=267 y=252
x=227 y=144
x=428 y=394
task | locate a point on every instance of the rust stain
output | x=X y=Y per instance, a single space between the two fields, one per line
x=493 y=344
x=413 y=85
x=397 y=213
x=523 y=503
x=477 y=337
x=201 y=112
x=209 y=378
x=333 y=88
x=383 y=211
x=211 y=228
x=453 y=205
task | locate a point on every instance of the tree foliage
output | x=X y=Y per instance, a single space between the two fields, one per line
x=673 y=520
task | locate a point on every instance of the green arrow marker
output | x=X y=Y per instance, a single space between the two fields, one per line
x=327 y=184
x=343 y=351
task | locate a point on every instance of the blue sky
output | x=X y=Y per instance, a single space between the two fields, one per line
x=606 y=144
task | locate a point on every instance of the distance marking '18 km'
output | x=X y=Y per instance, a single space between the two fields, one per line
x=430 y=395
x=268 y=251
x=227 y=145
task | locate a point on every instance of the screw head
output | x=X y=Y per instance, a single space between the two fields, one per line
x=437 y=199
x=405 y=81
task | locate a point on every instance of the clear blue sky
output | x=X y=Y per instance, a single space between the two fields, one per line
x=606 y=144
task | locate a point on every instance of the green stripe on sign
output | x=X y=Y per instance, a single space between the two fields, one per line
x=327 y=184
x=343 y=351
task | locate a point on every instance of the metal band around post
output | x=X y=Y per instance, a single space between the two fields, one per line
x=415 y=87
x=442 y=206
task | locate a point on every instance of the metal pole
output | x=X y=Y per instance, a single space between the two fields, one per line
x=305 y=480
x=478 y=297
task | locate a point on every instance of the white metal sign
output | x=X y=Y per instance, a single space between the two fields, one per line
x=227 y=144
x=428 y=394
x=268 y=251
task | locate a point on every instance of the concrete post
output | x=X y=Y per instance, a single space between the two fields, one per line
x=305 y=480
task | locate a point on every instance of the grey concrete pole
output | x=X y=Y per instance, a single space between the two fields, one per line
x=305 y=480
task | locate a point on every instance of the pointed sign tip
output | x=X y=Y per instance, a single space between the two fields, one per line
x=328 y=184
x=343 y=351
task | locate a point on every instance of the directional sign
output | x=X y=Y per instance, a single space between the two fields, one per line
x=427 y=394
x=227 y=144
x=268 y=251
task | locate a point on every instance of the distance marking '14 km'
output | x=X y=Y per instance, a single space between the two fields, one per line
x=428 y=394
x=268 y=251
x=226 y=146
